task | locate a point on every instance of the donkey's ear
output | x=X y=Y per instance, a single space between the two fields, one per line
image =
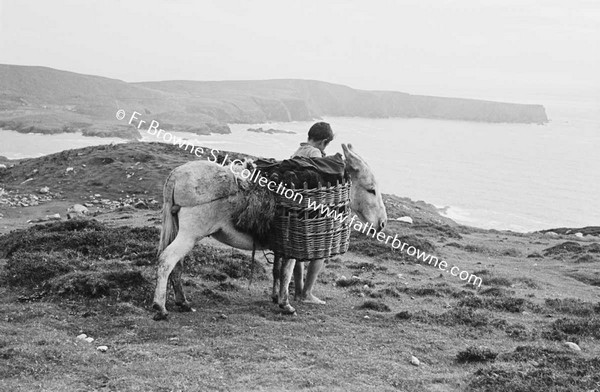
x=353 y=161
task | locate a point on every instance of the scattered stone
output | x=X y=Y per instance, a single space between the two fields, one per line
x=44 y=190
x=551 y=234
x=82 y=336
x=366 y=317
x=78 y=209
x=572 y=346
x=3 y=167
x=102 y=349
x=223 y=316
x=579 y=235
x=88 y=204
x=406 y=219
x=14 y=199
x=69 y=170
x=89 y=339
x=53 y=217
x=141 y=205
x=414 y=360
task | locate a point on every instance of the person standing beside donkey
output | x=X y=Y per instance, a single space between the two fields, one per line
x=319 y=136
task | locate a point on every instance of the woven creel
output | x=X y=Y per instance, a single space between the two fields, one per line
x=304 y=234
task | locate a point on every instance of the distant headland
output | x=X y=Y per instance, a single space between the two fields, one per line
x=46 y=100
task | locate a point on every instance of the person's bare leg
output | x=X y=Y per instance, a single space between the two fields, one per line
x=314 y=268
x=298 y=280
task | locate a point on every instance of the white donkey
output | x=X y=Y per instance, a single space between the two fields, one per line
x=199 y=201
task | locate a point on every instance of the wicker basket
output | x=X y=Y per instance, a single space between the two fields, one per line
x=304 y=234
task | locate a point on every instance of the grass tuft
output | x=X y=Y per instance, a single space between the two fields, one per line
x=377 y=306
x=476 y=354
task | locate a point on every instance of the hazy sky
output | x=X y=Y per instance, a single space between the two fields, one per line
x=469 y=48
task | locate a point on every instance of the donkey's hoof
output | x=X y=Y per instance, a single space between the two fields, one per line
x=160 y=314
x=185 y=307
x=288 y=309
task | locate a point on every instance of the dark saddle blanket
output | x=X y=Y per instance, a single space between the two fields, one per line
x=300 y=170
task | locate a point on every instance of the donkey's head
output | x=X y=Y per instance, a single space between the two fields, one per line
x=365 y=198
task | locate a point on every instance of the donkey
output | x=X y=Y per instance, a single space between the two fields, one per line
x=199 y=201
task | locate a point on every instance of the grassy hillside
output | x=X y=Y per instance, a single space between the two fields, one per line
x=95 y=277
x=40 y=99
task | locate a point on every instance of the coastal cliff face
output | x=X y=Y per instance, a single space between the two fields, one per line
x=297 y=100
x=45 y=100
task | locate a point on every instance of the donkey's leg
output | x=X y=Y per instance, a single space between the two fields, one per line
x=298 y=280
x=180 y=300
x=167 y=260
x=287 y=269
x=276 y=278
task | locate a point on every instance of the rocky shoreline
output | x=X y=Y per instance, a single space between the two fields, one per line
x=270 y=131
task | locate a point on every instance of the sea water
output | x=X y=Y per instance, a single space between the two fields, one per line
x=521 y=177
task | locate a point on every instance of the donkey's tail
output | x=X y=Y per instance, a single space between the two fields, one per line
x=170 y=220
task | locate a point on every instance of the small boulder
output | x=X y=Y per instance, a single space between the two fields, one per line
x=572 y=346
x=53 y=217
x=78 y=209
x=3 y=167
x=102 y=349
x=69 y=170
x=579 y=235
x=82 y=336
x=551 y=234
x=406 y=219
x=414 y=360
x=44 y=190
